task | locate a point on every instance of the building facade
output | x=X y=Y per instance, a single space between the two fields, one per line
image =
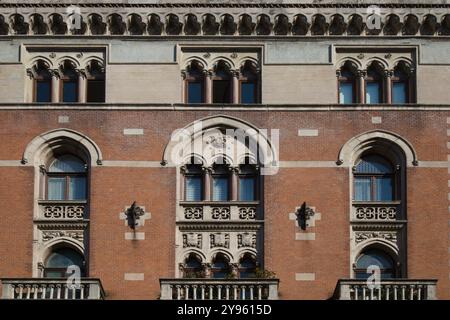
x=225 y=149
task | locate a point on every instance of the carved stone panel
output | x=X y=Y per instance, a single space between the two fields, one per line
x=221 y=240
x=220 y=213
x=192 y=240
x=246 y=240
x=361 y=236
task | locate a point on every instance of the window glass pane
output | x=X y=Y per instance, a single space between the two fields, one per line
x=220 y=189
x=67 y=163
x=195 y=92
x=248 y=94
x=384 y=188
x=373 y=164
x=247 y=188
x=362 y=188
x=63 y=258
x=77 y=188
x=373 y=91
x=193 y=188
x=55 y=274
x=95 y=91
x=221 y=91
x=56 y=188
x=70 y=91
x=345 y=92
x=399 y=92
x=43 y=91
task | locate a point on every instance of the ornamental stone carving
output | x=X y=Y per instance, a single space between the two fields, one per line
x=50 y=235
x=220 y=240
x=376 y=213
x=247 y=213
x=193 y=213
x=388 y=236
x=191 y=240
x=220 y=213
x=63 y=211
x=246 y=240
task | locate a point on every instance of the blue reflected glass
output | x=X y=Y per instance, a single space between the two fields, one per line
x=56 y=188
x=346 y=93
x=220 y=189
x=193 y=188
x=247 y=189
x=373 y=92
x=384 y=189
x=195 y=92
x=70 y=91
x=77 y=188
x=399 y=93
x=43 y=91
x=248 y=92
x=362 y=188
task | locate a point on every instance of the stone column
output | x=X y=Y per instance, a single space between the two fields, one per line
x=207 y=184
x=235 y=92
x=82 y=85
x=234 y=183
x=362 y=86
x=388 y=76
x=56 y=83
x=30 y=88
x=184 y=87
x=208 y=86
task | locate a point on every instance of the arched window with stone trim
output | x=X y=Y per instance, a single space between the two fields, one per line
x=220 y=267
x=374 y=84
x=248 y=181
x=192 y=267
x=195 y=83
x=193 y=181
x=247 y=266
x=67 y=178
x=60 y=259
x=347 y=83
x=401 y=82
x=374 y=258
x=222 y=88
x=221 y=176
x=95 y=76
x=249 y=83
x=69 y=82
x=42 y=77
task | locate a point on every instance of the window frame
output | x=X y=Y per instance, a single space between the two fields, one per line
x=344 y=79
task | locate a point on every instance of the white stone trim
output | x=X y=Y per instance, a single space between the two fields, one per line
x=133 y=131
x=308 y=132
x=133 y=276
x=311 y=276
x=63 y=119
x=134 y=235
x=376 y=120
x=307 y=236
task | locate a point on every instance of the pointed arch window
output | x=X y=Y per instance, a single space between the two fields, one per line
x=374 y=257
x=95 y=82
x=193 y=267
x=222 y=83
x=374 y=179
x=248 y=83
x=221 y=182
x=193 y=179
x=42 y=83
x=374 y=84
x=347 y=84
x=195 y=83
x=401 y=85
x=220 y=267
x=248 y=182
x=67 y=179
x=60 y=260
x=247 y=267
x=69 y=80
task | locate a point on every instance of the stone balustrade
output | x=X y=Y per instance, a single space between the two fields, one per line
x=51 y=289
x=376 y=211
x=62 y=210
x=218 y=211
x=392 y=289
x=219 y=289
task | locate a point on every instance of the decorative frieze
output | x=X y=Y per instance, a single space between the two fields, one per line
x=192 y=240
x=220 y=213
x=67 y=212
x=193 y=213
x=74 y=234
x=246 y=240
x=247 y=213
x=221 y=240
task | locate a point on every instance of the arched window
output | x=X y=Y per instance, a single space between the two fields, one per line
x=95 y=82
x=66 y=179
x=347 y=84
x=374 y=179
x=374 y=84
x=221 y=182
x=401 y=89
x=60 y=259
x=220 y=267
x=248 y=86
x=247 y=267
x=222 y=86
x=69 y=80
x=193 y=267
x=193 y=179
x=42 y=83
x=374 y=257
x=195 y=83
x=248 y=182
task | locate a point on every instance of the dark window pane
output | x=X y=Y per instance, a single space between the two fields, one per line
x=220 y=189
x=95 y=91
x=248 y=92
x=373 y=92
x=399 y=93
x=43 y=91
x=77 y=188
x=362 y=188
x=346 y=93
x=247 y=189
x=56 y=188
x=195 y=92
x=193 y=188
x=384 y=189
x=70 y=91
x=221 y=91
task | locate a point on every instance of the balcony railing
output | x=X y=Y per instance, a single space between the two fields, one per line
x=62 y=210
x=219 y=289
x=218 y=211
x=51 y=289
x=392 y=289
x=376 y=211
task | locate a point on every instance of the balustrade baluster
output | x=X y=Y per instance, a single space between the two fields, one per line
x=403 y=292
x=20 y=291
x=58 y=291
x=259 y=292
x=202 y=292
x=211 y=292
x=28 y=290
x=227 y=292
x=194 y=291
x=186 y=292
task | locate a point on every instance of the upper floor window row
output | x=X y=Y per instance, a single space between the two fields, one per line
x=376 y=84
x=68 y=83
x=222 y=84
